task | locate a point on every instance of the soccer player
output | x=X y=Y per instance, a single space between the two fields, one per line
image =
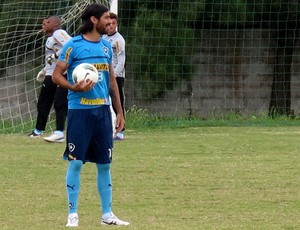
x=89 y=129
x=118 y=45
x=50 y=93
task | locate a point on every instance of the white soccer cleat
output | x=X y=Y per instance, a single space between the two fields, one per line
x=119 y=136
x=113 y=220
x=55 y=137
x=72 y=220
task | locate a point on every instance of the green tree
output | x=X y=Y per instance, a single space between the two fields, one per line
x=160 y=43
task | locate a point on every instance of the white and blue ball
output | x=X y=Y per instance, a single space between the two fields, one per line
x=86 y=72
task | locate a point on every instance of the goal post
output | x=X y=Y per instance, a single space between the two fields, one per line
x=113 y=6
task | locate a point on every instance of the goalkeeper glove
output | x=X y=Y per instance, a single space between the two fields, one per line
x=51 y=58
x=41 y=76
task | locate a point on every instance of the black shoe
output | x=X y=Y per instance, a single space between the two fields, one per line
x=34 y=134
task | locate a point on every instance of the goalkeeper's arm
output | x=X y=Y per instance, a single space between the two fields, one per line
x=61 y=37
x=119 y=68
x=120 y=51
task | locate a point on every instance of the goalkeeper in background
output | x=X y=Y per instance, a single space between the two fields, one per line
x=51 y=93
x=118 y=45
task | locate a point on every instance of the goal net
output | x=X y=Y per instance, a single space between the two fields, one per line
x=22 y=55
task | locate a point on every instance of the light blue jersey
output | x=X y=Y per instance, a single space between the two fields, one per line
x=79 y=50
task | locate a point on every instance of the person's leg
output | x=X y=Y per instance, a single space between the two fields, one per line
x=105 y=192
x=61 y=107
x=73 y=184
x=104 y=186
x=73 y=189
x=45 y=102
x=103 y=153
x=120 y=82
x=61 y=110
x=76 y=151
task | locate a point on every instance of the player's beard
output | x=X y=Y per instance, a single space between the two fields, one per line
x=101 y=29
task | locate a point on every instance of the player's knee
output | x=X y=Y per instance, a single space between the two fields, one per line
x=76 y=165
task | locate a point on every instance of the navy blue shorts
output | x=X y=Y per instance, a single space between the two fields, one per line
x=89 y=135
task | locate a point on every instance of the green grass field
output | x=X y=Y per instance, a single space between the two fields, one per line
x=171 y=178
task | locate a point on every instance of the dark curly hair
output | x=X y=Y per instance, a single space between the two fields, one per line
x=95 y=10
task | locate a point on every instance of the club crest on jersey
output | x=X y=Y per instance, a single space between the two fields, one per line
x=105 y=49
x=71 y=147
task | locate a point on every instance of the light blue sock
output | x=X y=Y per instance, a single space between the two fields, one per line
x=104 y=187
x=73 y=184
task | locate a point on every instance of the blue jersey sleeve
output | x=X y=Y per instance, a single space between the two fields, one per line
x=66 y=55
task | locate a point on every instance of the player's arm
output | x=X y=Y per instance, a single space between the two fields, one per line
x=120 y=49
x=115 y=97
x=61 y=37
x=59 y=79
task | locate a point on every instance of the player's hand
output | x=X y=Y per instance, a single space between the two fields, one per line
x=50 y=59
x=41 y=76
x=120 y=123
x=83 y=86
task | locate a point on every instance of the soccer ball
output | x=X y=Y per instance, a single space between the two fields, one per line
x=85 y=71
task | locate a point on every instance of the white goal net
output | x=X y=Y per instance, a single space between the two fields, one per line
x=22 y=55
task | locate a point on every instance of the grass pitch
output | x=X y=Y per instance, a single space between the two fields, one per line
x=184 y=178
